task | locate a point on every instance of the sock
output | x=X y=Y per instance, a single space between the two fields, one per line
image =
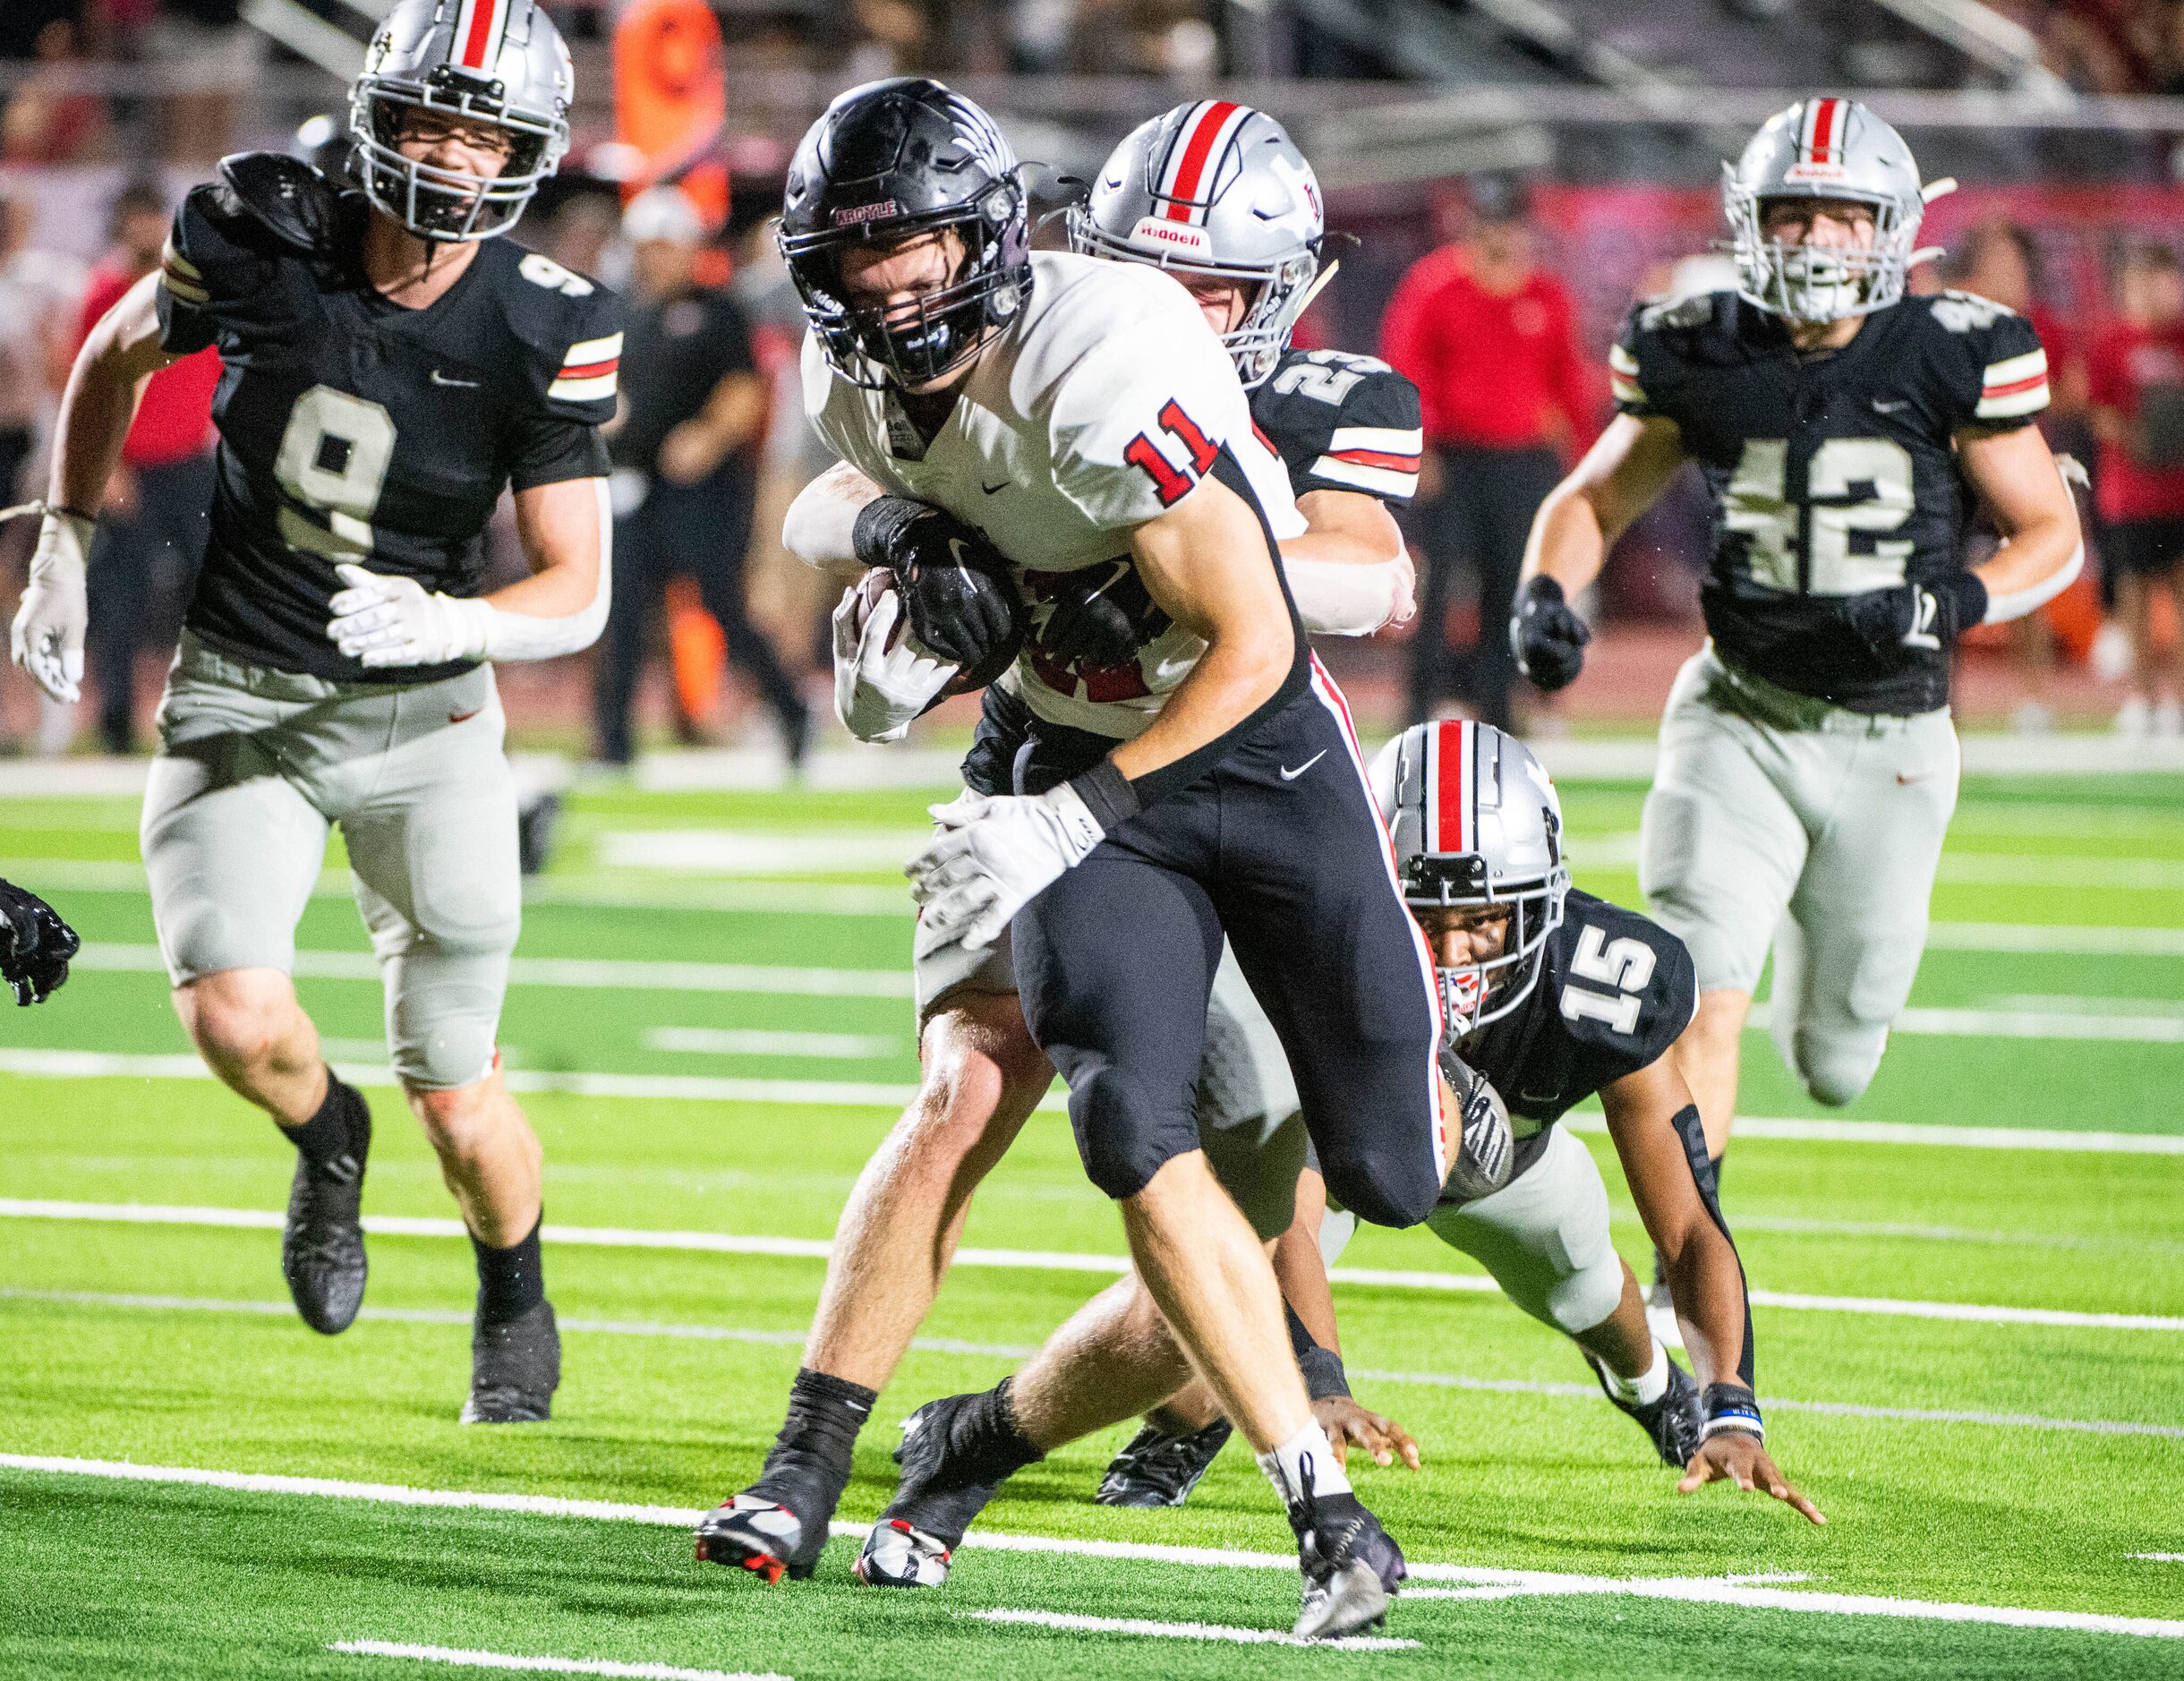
x=820 y=1433
x=342 y=1127
x=1286 y=1466
x=986 y=1443
x=1647 y=1388
x=510 y=1281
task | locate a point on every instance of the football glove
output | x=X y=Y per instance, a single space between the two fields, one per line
x=384 y=620
x=47 y=637
x=955 y=583
x=1485 y=1151
x=1915 y=615
x=35 y=945
x=1102 y=616
x=995 y=854
x=1547 y=637
x=883 y=679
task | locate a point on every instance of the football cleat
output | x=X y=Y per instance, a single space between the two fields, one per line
x=1672 y=1423
x=753 y=1532
x=1161 y=1468
x=916 y=1538
x=1350 y=1565
x=515 y=1367
x=323 y=1238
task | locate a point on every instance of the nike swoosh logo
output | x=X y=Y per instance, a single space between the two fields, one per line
x=463 y=718
x=1289 y=775
x=993 y=490
x=1890 y=408
x=460 y=385
x=955 y=551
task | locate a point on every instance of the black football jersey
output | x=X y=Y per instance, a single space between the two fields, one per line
x=1613 y=992
x=1342 y=423
x=1832 y=474
x=354 y=429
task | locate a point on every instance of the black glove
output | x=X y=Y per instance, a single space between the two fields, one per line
x=1103 y=615
x=955 y=583
x=1915 y=615
x=1547 y=637
x=1483 y=1155
x=35 y=945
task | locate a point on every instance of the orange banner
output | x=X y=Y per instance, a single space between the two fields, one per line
x=671 y=100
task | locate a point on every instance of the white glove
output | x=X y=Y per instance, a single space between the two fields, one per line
x=389 y=621
x=47 y=637
x=883 y=679
x=995 y=854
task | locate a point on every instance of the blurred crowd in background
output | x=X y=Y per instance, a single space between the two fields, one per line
x=1498 y=293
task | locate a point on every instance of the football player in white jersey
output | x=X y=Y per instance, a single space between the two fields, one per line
x=1071 y=415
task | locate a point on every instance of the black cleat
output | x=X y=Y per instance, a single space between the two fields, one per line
x=758 y=1531
x=915 y=1540
x=1672 y=1423
x=536 y=825
x=1161 y=1468
x=515 y=1367
x=322 y=1240
x=1350 y=1565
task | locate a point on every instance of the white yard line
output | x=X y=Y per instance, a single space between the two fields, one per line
x=849 y=1047
x=1726 y=1590
x=1924 y=1021
x=1038 y=1260
x=849 y=1094
x=1585 y=1392
x=837 y=849
x=2161 y=1559
x=1074 y=1622
x=464 y=1659
x=619 y=974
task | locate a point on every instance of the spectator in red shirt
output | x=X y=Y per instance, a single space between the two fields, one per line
x=2136 y=375
x=1488 y=340
x=151 y=530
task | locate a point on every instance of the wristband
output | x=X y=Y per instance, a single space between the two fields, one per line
x=879 y=524
x=1970 y=590
x=1730 y=1407
x=1107 y=794
x=1324 y=1376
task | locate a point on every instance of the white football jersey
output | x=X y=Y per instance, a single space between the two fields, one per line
x=1097 y=409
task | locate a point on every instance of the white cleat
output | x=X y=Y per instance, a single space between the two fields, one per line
x=1347 y=1602
x=898 y=1556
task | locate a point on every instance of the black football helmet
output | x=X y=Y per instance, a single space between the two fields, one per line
x=888 y=161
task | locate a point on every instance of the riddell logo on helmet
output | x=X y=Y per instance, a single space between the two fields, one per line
x=863 y=213
x=1153 y=230
x=1815 y=172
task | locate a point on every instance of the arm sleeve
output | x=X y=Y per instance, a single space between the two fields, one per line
x=203 y=269
x=1138 y=419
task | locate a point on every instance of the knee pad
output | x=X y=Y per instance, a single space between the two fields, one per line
x=443 y=1013
x=1379 y=1189
x=1835 y=1066
x=1123 y=1137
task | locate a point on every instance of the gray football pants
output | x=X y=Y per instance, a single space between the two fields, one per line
x=255 y=766
x=1776 y=817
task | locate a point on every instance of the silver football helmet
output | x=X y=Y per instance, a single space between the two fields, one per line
x=496 y=61
x=1217 y=188
x=1825 y=148
x=1475 y=821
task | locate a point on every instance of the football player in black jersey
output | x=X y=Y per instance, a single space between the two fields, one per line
x=1808 y=766
x=1555 y=996
x=982 y=1074
x=389 y=367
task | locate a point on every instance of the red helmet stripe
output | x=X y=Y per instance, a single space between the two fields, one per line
x=1205 y=128
x=1451 y=784
x=483 y=36
x=1827 y=121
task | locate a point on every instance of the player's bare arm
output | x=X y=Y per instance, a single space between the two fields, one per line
x=1349 y=571
x=104 y=388
x=1706 y=1280
x=1621 y=475
x=2042 y=548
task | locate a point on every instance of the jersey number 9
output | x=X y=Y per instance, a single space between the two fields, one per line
x=332 y=459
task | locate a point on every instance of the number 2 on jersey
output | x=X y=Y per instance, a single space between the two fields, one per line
x=333 y=458
x=1756 y=503
x=1170 y=484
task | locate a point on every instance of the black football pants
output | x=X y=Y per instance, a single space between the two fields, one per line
x=1281 y=846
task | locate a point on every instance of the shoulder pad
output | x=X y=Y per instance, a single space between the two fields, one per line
x=1626 y=983
x=286 y=196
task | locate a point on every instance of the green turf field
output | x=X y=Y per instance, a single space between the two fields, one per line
x=1970 y=1329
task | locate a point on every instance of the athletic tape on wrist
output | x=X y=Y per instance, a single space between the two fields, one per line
x=1731 y=1407
x=879 y=522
